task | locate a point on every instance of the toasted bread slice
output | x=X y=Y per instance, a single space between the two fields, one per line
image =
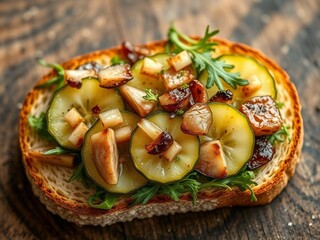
x=70 y=199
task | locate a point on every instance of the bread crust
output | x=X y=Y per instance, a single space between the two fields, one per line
x=80 y=212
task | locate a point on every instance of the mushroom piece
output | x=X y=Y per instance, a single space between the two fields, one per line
x=134 y=97
x=105 y=155
x=160 y=144
x=74 y=77
x=180 y=61
x=223 y=96
x=172 y=79
x=197 y=120
x=176 y=99
x=115 y=75
x=212 y=161
x=153 y=131
x=151 y=68
x=73 y=117
x=198 y=92
x=263 y=115
x=77 y=135
x=111 y=118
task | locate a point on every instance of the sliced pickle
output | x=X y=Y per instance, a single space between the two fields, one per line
x=142 y=81
x=89 y=101
x=155 y=168
x=129 y=178
x=235 y=134
x=248 y=68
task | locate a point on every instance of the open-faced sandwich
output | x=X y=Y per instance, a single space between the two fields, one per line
x=184 y=124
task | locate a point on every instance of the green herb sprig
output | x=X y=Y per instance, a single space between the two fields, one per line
x=39 y=124
x=59 y=150
x=280 y=136
x=116 y=59
x=56 y=80
x=150 y=96
x=190 y=184
x=79 y=174
x=201 y=55
x=102 y=199
x=244 y=180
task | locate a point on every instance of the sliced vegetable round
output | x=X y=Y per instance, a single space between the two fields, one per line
x=89 y=101
x=142 y=81
x=158 y=169
x=262 y=83
x=129 y=178
x=236 y=136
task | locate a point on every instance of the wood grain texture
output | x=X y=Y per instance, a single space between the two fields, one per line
x=287 y=31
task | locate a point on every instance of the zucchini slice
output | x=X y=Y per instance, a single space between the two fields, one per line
x=161 y=170
x=129 y=178
x=142 y=81
x=248 y=68
x=235 y=134
x=88 y=100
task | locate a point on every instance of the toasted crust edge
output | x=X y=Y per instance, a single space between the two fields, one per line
x=161 y=205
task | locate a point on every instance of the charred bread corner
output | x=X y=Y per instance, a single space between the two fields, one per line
x=184 y=124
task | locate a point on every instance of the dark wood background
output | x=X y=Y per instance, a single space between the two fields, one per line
x=286 y=30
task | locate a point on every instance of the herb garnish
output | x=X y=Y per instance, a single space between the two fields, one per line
x=102 y=199
x=242 y=180
x=79 y=174
x=281 y=135
x=58 y=150
x=56 y=80
x=150 y=96
x=201 y=56
x=190 y=184
x=279 y=104
x=180 y=112
x=116 y=59
x=39 y=124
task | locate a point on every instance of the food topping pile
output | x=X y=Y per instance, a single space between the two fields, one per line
x=172 y=123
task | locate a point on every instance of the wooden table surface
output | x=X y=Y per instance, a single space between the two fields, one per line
x=286 y=30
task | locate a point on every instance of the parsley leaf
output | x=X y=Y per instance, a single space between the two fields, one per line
x=201 y=56
x=150 y=96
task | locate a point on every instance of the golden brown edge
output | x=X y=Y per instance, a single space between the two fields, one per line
x=265 y=193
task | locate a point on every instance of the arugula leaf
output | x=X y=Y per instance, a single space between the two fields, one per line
x=150 y=96
x=243 y=180
x=143 y=195
x=56 y=80
x=102 y=199
x=39 y=124
x=190 y=184
x=280 y=136
x=201 y=56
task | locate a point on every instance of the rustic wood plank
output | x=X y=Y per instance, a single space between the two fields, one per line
x=288 y=31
